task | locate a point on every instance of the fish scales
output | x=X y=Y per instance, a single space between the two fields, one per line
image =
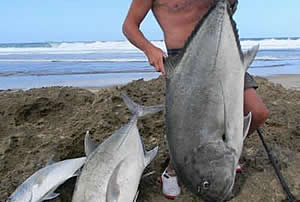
x=204 y=105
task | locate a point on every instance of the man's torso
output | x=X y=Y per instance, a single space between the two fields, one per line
x=178 y=18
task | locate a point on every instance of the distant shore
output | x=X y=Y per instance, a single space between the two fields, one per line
x=291 y=81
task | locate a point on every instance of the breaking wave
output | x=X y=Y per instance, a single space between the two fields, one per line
x=126 y=47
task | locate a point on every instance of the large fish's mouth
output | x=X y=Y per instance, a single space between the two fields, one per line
x=212 y=162
x=218 y=194
x=228 y=192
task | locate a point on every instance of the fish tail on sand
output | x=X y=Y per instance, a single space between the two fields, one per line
x=139 y=110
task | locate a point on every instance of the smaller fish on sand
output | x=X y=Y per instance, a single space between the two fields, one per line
x=42 y=184
x=114 y=168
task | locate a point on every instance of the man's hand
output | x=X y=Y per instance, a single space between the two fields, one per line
x=155 y=57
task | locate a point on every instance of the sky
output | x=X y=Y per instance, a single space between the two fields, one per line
x=99 y=20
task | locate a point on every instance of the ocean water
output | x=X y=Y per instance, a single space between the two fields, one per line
x=106 y=63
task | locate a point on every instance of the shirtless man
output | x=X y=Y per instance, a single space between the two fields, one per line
x=177 y=19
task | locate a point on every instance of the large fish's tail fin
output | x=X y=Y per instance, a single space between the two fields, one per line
x=249 y=56
x=140 y=110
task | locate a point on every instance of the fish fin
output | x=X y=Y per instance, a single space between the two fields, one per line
x=170 y=63
x=136 y=196
x=89 y=144
x=247 y=122
x=140 y=110
x=149 y=156
x=113 y=188
x=249 y=56
x=51 y=196
x=77 y=173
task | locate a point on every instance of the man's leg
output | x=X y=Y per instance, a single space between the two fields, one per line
x=254 y=104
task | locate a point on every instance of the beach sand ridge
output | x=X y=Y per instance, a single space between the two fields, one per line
x=40 y=124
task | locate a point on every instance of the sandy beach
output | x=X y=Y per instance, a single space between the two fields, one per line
x=39 y=124
x=291 y=81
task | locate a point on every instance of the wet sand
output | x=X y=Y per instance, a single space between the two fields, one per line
x=291 y=81
x=40 y=123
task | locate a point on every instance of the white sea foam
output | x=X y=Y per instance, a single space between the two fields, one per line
x=272 y=44
x=77 y=60
x=127 y=47
x=273 y=58
x=78 y=48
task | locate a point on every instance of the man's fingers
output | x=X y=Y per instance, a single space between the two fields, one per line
x=161 y=66
x=157 y=62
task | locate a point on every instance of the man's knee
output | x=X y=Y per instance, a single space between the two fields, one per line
x=260 y=115
x=254 y=104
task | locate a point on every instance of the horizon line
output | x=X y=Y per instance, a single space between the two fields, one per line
x=121 y=40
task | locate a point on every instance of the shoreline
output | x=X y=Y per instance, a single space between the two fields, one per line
x=289 y=81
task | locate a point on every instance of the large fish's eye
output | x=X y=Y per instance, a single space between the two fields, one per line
x=205 y=185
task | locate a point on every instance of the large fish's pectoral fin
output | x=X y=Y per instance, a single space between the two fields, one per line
x=140 y=110
x=89 y=144
x=249 y=56
x=247 y=122
x=113 y=188
x=149 y=156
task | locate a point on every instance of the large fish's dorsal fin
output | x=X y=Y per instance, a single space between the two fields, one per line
x=149 y=156
x=247 y=122
x=140 y=110
x=171 y=62
x=249 y=56
x=89 y=144
x=113 y=188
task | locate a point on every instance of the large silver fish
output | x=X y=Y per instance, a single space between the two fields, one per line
x=204 y=105
x=42 y=184
x=113 y=169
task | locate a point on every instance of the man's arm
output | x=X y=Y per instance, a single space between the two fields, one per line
x=131 y=29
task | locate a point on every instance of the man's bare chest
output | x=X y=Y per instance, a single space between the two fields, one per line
x=181 y=5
